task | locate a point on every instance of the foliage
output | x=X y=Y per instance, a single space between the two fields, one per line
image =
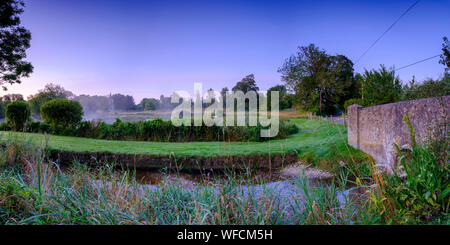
x=148 y=104
x=159 y=130
x=420 y=187
x=62 y=113
x=285 y=99
x=41 y=193
x=123 y=102
x=322 y=83
x=380 y=86
x=445 y=56
x=50 y=92
x=2 y=110
x=94 y=104
x=427 y=89
x=14 y=41
x=17 y=114
x=247 y=83
x=6 y=99
x=38 y=127
x=353 y=101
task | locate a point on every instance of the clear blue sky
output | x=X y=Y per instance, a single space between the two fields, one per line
x=149 y=48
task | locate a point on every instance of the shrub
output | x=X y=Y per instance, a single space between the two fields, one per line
x=38 y=127
x=428 y=88
x=62 y=113
x=381 y=86
x=4 y=126
x=353 y=101
x=2 y=110
x=17 y=114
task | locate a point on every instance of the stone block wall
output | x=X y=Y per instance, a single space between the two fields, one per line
x=376 y=129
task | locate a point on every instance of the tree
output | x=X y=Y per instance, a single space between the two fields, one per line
x=285 y=100
x=381 y=86
x=6 y=99
x=210 y=95
x=224 y=92
x=17 y=114
x=321 y=83
x=445 y=56
x=247 y=83
x=148 y=104
x=123 y=102
x=94 y=104
x=50 y=92
x=14 y=41
x=428 y=88
x=2 y=110
x=62 y=113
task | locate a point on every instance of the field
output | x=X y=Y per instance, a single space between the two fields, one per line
x=131 y=116
x=319 y=142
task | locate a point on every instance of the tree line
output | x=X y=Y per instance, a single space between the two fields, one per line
x=313 y=80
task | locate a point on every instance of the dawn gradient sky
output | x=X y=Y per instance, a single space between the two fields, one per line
x=149 y=48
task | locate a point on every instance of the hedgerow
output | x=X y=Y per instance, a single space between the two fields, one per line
x=157 y=130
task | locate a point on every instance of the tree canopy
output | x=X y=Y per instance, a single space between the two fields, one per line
x=50 y=92
x=14 y=41
x=247 y=83
x=445 y=56
x=426 y=89
x=321 y=82
x=285 y=98
x=380 y=86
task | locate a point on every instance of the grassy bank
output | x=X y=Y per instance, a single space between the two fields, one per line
x=319 y=143
x=33 y=191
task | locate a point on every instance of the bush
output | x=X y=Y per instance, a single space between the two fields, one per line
x=2 y=110
x=17 y=114
x=4 y=126
x=38 y=127
x=427 y=89
x=62 y=113
x=381 y=86
x=353 y=101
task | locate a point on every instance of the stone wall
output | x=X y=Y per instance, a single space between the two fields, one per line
x=376 y=129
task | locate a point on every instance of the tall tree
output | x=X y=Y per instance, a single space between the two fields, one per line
x=285 y=100
x=224 y=92
x=14 y=41
x=321 y=82
x=381 y=86
x=247 y=83
x=6 y=99
x=51 y=91
x=445 y=56
x=123 y=102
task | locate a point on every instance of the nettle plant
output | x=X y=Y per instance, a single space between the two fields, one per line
x=420 y=187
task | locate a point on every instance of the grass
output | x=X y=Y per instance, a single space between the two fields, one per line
x=322 y=144
x=33 y=191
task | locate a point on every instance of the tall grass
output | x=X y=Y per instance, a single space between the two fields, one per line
x=34 y=190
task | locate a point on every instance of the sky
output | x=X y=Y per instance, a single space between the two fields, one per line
x=148 y=48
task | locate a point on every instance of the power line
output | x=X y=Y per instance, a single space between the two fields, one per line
x=420 y=61
x=390 y=27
